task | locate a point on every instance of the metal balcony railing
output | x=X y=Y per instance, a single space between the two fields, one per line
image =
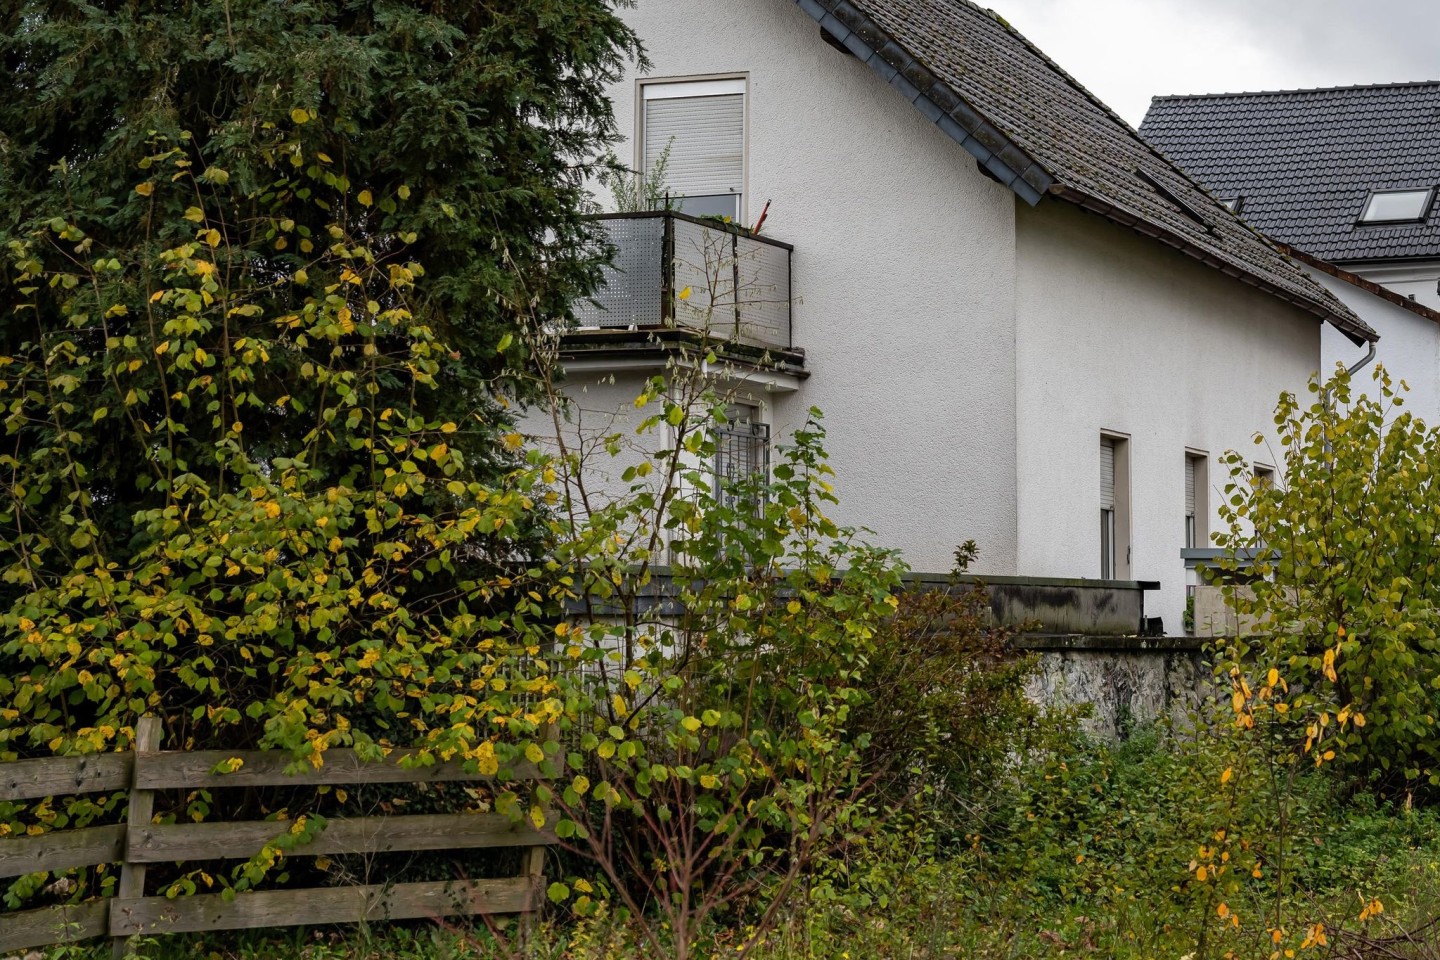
x=672 y=271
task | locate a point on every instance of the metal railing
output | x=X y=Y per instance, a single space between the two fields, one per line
x=675 y=271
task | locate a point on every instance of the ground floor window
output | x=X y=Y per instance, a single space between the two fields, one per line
x=742 y=452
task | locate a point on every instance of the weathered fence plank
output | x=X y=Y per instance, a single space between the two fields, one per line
x=61 y=850
x=266 y=768
x=64 y=776
x=157 y=843
x=278 y=908
x=139 y=813
x=139 y=842
x=62 y=924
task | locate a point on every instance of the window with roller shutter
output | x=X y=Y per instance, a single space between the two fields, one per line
x=1196 y=505
x=702 y=125
x=1107 y=508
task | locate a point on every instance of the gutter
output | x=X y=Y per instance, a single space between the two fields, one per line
x=1358 y=334
x=1369 y=286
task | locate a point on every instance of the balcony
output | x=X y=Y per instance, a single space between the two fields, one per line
x=703 y=280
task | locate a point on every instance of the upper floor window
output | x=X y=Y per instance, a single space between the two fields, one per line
x=1233 y=204
x=1397 y=206
x=697 y=128
x=1264 y=475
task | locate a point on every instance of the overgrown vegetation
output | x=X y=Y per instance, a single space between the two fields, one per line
x=267 y=328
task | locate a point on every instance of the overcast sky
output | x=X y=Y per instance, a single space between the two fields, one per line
x=1127 y=51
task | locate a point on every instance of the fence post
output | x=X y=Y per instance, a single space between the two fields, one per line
x=138 y=814
x=532 y=867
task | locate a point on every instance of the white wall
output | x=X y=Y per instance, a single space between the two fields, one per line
x=1116 y=332
x=903 y=273
x=1409 y=346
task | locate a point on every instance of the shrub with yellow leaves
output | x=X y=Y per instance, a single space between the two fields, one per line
x=1333 y=570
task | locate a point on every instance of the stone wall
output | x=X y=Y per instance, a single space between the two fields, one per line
x=1125 y=680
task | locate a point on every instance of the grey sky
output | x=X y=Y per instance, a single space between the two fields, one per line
x=1127 y=51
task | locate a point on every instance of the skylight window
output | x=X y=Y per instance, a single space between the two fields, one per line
x=1233 y=204
x=1397 y=206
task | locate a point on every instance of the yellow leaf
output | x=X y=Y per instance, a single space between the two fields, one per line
x=684 y=294
x=403 y=192
x=533 y=753
x=448 y=428
x=709 y=782
x=537 y=817
x=691 y=724
x=194 y=214
x=300 y=115
x=1272 y=678
x=212 y=237
x=145 y=189
x=365 y=198
x=1225 y=777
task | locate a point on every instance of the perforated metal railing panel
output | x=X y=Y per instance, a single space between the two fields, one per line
x=764 y=292
x=634 y=286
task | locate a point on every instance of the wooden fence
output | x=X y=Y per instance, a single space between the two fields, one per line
x=139 y=842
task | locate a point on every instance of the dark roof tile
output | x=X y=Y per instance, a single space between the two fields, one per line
x=1306 y=160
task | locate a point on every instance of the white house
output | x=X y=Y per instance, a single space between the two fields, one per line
x=1345 y=178
x=1024 y=326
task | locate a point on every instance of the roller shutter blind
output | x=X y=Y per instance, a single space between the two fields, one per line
x=1192 y=466
x=1107 y=473
x=706 y=136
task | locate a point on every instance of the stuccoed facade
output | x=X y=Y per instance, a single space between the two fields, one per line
x=1313 y=193
x=968 y=349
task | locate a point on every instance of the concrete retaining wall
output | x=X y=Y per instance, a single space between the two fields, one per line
x=1125 y=680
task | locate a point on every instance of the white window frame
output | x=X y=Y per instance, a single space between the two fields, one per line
x=1197 y=525
x=698 y=85
x=1115 y=524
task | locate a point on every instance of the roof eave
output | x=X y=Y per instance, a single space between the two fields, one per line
x=1357 y=334
x=1369 y=286
x=935 y=100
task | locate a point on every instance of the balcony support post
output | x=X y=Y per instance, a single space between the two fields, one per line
x=667 y=272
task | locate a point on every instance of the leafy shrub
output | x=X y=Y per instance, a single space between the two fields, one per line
x=1343 y=654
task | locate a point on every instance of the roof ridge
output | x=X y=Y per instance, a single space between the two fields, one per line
x=1342 y=88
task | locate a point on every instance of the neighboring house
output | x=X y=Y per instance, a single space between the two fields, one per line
x=1024 y=326
x=1346 y=178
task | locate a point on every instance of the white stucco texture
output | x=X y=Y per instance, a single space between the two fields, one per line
x=903 y=275
x=1116 y=332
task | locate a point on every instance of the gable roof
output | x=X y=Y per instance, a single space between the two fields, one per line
x=1035 y=129
x=1306 y=160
